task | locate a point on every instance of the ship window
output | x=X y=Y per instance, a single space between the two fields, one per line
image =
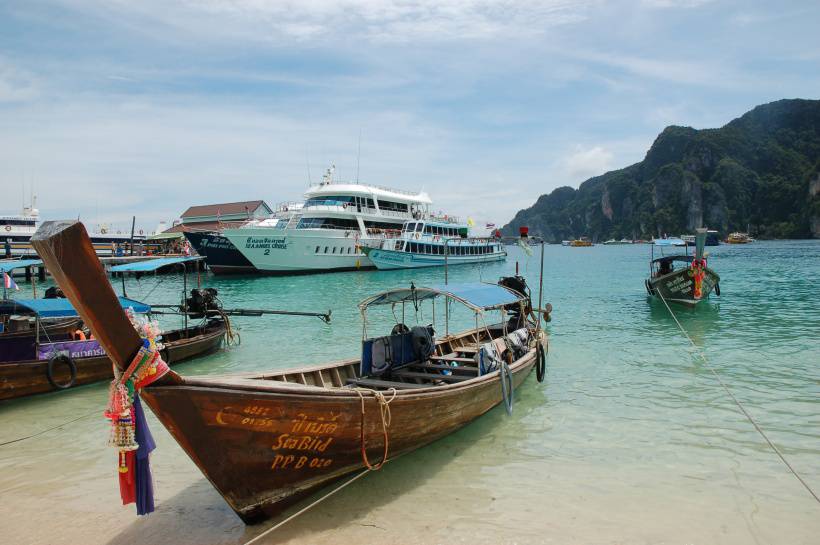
x=382 y=225
x=334 y=250
x=327 y=223
x=329 y=200
x=410 y=227
x=325 y=249
x=419 y=227
x=317 y=249
x=349 y=249
x=392 y=206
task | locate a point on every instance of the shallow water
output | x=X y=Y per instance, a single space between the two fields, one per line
x=630 y=439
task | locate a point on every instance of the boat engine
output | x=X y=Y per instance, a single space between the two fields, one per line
x=517 y=284
x=54 y=292
x=201 y=301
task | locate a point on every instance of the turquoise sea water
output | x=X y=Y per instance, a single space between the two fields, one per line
x=630 y=439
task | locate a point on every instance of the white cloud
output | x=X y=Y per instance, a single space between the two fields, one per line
x=675 y=3
x=585 y=163
x=352 y=20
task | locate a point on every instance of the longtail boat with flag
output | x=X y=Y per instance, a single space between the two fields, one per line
x=688 y=284
x=266 y=440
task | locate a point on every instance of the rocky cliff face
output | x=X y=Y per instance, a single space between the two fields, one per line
x=761 y=170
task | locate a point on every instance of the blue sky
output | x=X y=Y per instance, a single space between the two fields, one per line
x=116 y=107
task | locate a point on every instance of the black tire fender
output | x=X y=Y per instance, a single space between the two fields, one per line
x=540 y=363
x=72 y=368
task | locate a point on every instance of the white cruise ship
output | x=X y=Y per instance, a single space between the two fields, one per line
x=328 y=233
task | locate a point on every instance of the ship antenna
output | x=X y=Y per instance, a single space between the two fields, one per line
x=307 y=161
x=358 y=155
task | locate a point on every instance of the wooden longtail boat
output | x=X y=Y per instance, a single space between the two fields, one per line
x=688 y=285
x=36 y=376
x=18 y=344
x=265 y=440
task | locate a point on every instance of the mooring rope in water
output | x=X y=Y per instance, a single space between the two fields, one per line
x=737 y=402
x=231 y=338
x=49 y=429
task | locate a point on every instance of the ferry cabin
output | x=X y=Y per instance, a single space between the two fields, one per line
x=431 y=243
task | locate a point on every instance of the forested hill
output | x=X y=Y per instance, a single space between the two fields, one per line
x=761 y=170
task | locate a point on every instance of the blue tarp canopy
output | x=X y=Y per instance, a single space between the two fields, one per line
x=151 y=265
x=669 y=242
x=11 y=264
x=474 y=295
x=670 y=258
x=60 y=308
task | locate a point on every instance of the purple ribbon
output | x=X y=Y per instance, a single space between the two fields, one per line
x=145 y=485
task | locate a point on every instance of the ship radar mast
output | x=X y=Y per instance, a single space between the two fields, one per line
x=328 y=177
x=31 y=211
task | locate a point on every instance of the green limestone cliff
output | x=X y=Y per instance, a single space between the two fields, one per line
x=761 y=170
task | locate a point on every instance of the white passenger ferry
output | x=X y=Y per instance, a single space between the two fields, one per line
x=327 y=234
x=430 y=243
x=16 y=231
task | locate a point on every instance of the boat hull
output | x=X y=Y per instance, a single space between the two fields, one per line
x=280 y=441
x=391 y=259
x=679 y=286
x=299 y=251
x=29 y=377
x=221 y=256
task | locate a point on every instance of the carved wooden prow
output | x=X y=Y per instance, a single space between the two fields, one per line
x=66 y=250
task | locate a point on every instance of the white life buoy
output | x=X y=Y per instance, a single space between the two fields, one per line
x=8 y=227
x=140 y=231
x=102 y=231
x=418 y=236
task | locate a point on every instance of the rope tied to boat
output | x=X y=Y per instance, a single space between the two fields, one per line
x=740 y=406
x=384 y=411
x=231 y=338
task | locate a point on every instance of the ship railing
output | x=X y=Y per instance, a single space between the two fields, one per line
x=374 y=186
x=352 y=208
x=377 y=232
x=446 y=218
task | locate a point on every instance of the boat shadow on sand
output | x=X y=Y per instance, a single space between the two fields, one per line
x=198 y=514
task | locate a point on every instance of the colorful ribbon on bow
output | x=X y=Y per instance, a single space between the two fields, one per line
x=698 y=273
x=129 y=429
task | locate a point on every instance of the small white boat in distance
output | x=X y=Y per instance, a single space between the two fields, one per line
x=430 y=243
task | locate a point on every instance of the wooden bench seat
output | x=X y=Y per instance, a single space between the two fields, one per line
x=430 y=376
x=386 y=384
x=441 y=367
x=467 y=349
x=453 y=357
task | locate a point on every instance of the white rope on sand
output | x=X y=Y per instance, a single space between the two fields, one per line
x=739 y=405
x=307 y=508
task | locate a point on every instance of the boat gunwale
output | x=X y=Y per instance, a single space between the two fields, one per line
x=262 y=383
